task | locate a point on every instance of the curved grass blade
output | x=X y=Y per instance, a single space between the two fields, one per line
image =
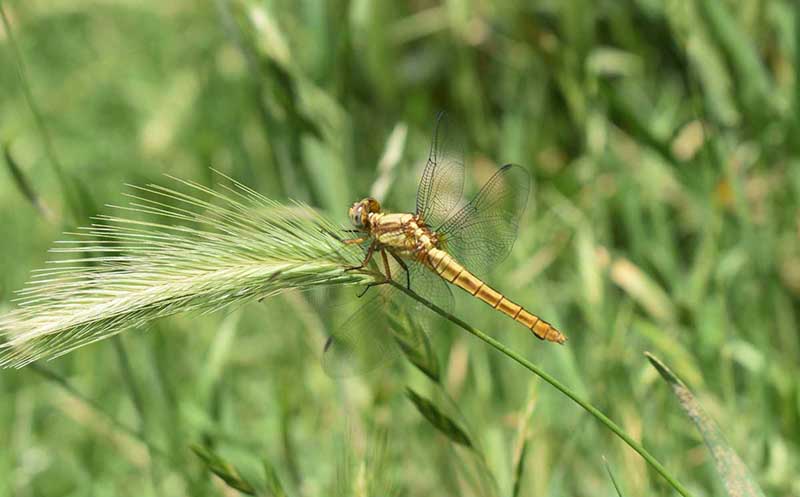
x=611 y=475
x=386 y=322
x=373 y=336
x=521 y=445
x=469 y=460
x=64 y=179
x=223 y=469
x=274 y=485
x=439 y=420
x=756 y=88
x=413 y=341
x=734 y=474
x=518 y=469
x=605 y=420
x=24 y=185
x=361 y=343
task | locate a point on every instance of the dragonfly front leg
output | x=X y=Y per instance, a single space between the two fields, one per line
x=370 y=251
x=355 y=241
x=347 y=242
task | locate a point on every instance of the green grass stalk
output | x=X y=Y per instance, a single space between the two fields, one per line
x=47 y=140
x=64 y=384
x=503 y=349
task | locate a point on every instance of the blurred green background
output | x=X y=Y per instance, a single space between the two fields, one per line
x=663 y=138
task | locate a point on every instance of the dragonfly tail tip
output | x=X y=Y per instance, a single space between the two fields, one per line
x=556 y=336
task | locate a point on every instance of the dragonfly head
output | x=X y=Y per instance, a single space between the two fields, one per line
x=360 y=211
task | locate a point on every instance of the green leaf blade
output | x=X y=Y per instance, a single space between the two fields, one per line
x=223 y=469
x=439 y=420
x=735 y=476
x=415 y=345
x=274 y=485
x=611 y=476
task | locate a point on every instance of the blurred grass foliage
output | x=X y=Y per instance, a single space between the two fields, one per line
x=663 y=138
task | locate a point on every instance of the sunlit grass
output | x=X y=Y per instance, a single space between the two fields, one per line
x=662 y=140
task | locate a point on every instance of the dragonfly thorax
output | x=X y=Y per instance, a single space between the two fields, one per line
x=405 y=234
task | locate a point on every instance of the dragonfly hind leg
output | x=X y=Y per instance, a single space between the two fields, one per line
x=370 y=285
x=388 y=275
x=370 y=252
x=386 y=268
x=386 y=264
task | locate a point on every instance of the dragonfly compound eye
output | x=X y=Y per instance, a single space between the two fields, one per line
x=360 y=211
x=356 y=214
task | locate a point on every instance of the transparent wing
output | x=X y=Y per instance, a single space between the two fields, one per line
x=482 y=233
x=362 y=342
x=431 y=286
x=442 y=181
x=385 y=322
x=410 y=336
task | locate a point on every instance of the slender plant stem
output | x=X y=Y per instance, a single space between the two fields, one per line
x=138 y=402
x=74 y=208
x=281 y=157
x=70 y=389
x=652 y=461
x=47 y=140
x=130 y=382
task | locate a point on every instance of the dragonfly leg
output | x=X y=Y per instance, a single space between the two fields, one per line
x=370 y=285
x=330 y=233
x=386 y=264
x=404 y=266
x=370 y=251
x=334 y=235
x=388 y=274
x=355 y=241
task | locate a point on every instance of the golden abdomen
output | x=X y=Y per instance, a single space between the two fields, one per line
x=448 y=268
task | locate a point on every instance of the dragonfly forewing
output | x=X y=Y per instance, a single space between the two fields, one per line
x=430 y=286
x=442 y=181
x=359 y=341
x=385 y=323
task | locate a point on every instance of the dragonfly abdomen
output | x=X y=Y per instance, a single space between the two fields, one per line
x=449 y=269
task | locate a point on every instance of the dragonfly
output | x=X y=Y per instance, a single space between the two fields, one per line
x=443 y=243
